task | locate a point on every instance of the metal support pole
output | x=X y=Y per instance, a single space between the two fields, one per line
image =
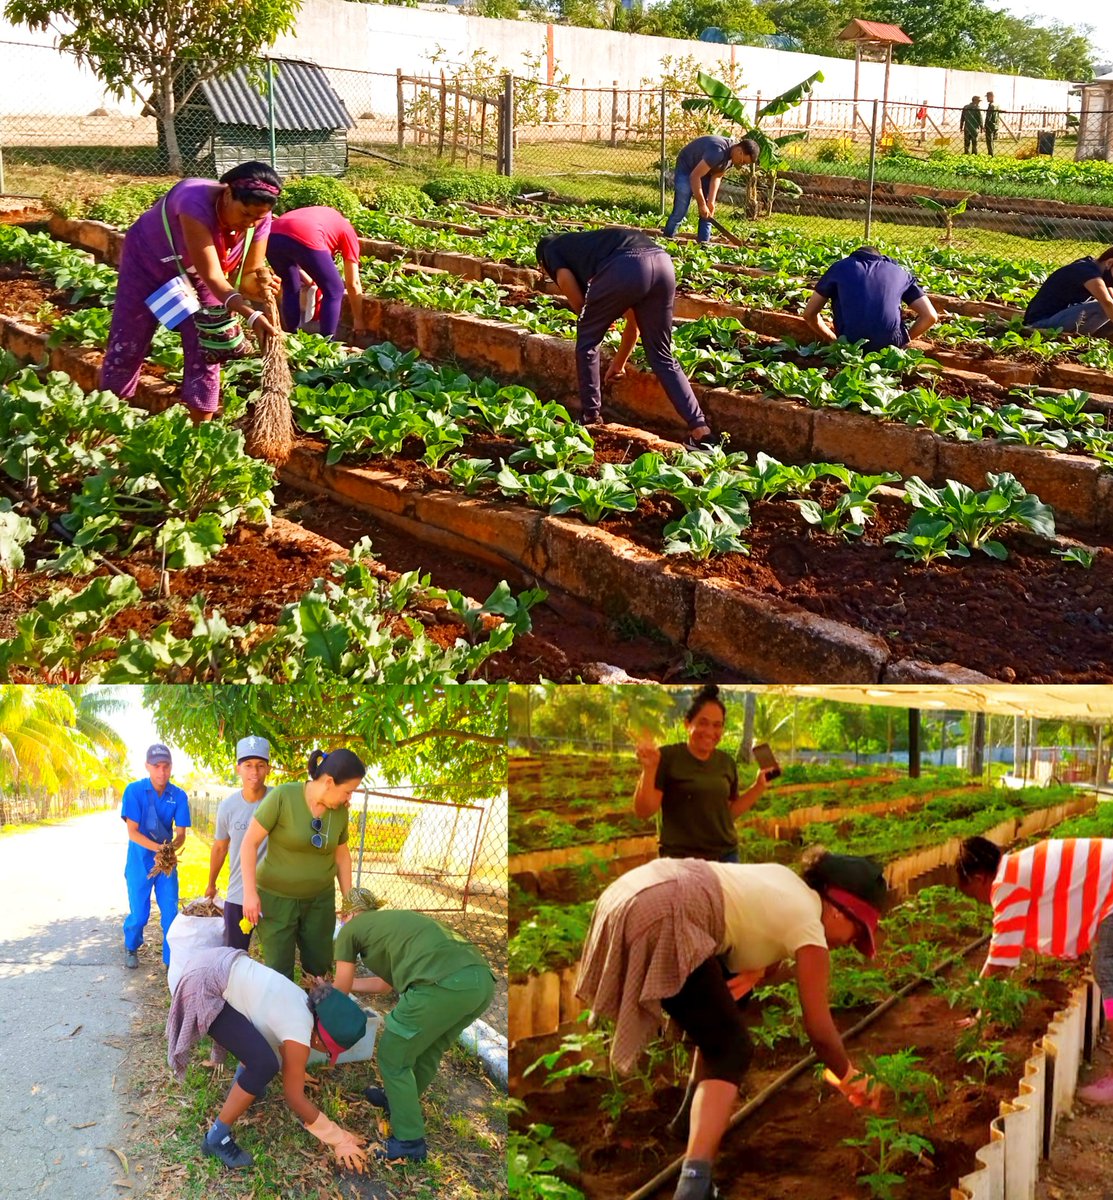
x=913 y=743
x=664 y=148
x=508 y=124
x=873 y=170
x=270 y=114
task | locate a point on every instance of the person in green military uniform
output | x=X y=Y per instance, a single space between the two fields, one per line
x=991 y=121
x=443 y=985
x=971 y=121
x=694 y=786
x=292 y=898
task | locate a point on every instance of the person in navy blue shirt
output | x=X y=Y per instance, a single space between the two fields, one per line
x=700 y=167
x=1076 y=297
x=156 y=812
x=867 y=291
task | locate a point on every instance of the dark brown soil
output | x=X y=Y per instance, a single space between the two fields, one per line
x=24 y=293
x=793 y=1146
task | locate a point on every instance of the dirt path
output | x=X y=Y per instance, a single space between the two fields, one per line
x=67 y=1007
x=1081 y=1163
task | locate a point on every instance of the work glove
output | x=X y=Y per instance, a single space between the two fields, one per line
x=347 y=1146
x=863 y=1091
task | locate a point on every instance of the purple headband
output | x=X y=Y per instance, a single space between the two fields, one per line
x=255 y=185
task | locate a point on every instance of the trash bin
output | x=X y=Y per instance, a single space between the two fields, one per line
x=1045 y=142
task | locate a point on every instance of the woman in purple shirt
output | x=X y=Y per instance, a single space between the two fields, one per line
x=208 y=223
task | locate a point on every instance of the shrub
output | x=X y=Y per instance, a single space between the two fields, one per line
x=401 y=198
x=122 y=206
x=836 y=150
x=480 y=187
x=314 y=190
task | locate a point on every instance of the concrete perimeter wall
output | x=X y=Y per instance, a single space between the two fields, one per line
x=382 y=39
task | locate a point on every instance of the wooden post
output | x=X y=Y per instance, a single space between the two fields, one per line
x=455 y=122
x=583 y=114
x=507 y=125
x=401 y=111
x=885 y=94
x=664 y=148
x=482 y=131
x=441 y=122
x=614 y=114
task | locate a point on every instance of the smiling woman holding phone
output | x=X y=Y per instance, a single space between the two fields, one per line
x=694 y=786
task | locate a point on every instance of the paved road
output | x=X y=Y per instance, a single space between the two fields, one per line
x=66 y=1006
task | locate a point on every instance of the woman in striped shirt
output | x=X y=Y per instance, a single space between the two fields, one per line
x=1056 y=898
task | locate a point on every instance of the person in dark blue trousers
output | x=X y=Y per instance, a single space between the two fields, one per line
x=156 y=812
x=1077 y=297
x=700 y=167
x=604 y=273
x=867 y=291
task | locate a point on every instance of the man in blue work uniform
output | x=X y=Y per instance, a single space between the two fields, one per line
x=156 y=812
x=700 y=167
x=867 y=291
x=1077 y=297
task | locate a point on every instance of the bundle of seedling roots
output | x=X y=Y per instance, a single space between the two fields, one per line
x=165 y=861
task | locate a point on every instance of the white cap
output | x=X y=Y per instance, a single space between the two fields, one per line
x=253 y=747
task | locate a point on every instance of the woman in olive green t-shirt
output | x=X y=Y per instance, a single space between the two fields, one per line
x=694 y=786
x=292 y=898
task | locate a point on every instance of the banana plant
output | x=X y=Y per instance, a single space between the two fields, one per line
x=947 y=211
x=762 y=183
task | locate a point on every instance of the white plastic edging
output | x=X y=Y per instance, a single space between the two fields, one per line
x=490 y=1047
x=1008 y=1165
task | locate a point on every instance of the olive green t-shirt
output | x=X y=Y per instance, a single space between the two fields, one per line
x=405 y=948
x=695 y=804
x=293 y=866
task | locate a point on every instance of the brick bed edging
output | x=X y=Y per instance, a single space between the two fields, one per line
x=777 y=642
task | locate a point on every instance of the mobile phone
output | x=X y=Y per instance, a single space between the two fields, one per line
x=763 y=756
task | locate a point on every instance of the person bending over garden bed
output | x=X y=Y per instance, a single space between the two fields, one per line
x=443 y=985
x=867 y=291
x=267 y=1021
x=1076 y=297
x=1056 y=898
x=694 y=786
x=655 y=942
x=175 y=268
x=604 y=273
x=700 y=168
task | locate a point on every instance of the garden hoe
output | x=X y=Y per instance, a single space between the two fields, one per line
x=733 y=238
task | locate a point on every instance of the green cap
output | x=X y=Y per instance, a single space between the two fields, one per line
x=340 y=1021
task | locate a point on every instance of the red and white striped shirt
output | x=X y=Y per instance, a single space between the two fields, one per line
x=1051 y=898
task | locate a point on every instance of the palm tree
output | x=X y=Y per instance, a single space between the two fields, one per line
x=55 y=742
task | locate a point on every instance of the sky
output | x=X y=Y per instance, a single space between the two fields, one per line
x=1096 y=13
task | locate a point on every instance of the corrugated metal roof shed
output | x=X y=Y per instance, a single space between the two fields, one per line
x=874 y=31
x=303 y=98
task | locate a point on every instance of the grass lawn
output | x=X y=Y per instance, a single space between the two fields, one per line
x=465 y=1115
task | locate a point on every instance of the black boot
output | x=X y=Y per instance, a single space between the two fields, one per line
x=678 y=1126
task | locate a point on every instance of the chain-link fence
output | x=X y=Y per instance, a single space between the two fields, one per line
x=894 y=171
x=25 y=807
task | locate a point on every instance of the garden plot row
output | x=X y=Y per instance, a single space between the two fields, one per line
x=697 y=601
x=711 y=606
x=186 y=575
x=873 y=414
x=551 y=907
x=943 y=1088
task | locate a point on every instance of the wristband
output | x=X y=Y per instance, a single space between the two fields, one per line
x=255 y=315
x=228 y=299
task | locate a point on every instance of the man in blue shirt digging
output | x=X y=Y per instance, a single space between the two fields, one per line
x=700 y=167
x=868 y=291
x=156 y=812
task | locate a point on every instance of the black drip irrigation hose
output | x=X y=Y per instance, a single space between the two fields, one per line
x=770 y=1090
x=57 y=528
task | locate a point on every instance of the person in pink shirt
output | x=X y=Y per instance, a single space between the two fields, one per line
x=198 y=228
x=302 y=247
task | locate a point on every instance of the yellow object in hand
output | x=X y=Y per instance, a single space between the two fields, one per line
x=245 y=925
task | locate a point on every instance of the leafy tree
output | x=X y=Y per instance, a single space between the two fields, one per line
x=689 y=18
x=451 y=738
x=816 y=23
x=157 y=50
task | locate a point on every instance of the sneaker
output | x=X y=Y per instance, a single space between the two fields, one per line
x=1098 y=1092
x=131 y=959
x=401 y=1150
x=377 y=1096
x=701 y=445
x=229 y=1153
x=590 y=422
